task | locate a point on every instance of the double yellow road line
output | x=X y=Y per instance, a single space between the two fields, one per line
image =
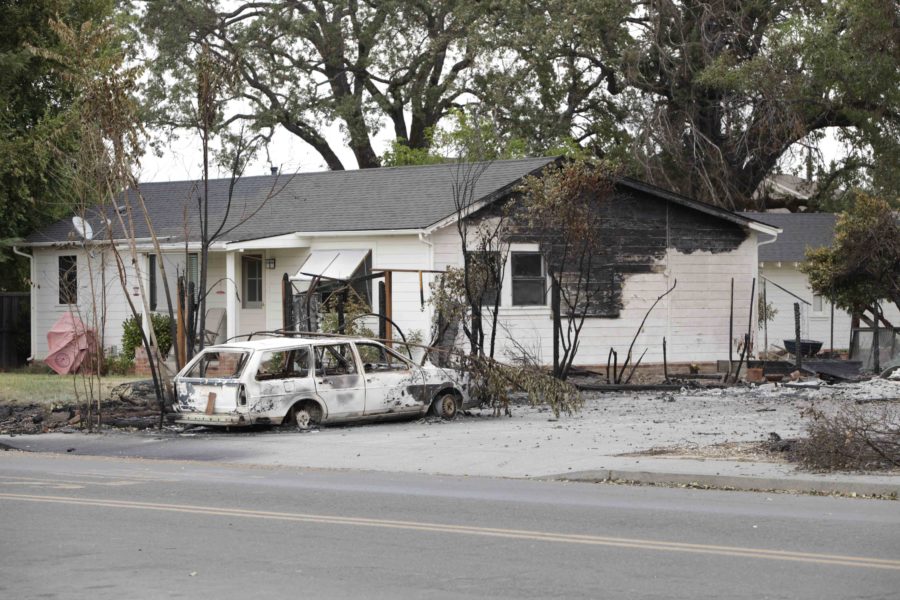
x=516 y=534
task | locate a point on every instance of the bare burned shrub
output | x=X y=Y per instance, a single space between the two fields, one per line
x=856 y=437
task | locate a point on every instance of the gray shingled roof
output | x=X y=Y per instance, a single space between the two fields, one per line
x=367 y=199
x=404 y=198
x=800 y=231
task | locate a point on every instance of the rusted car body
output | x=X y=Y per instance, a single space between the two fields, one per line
x=306 y=381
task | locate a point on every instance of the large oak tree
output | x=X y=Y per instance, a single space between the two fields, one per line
x=305 y=65
x=706 y=97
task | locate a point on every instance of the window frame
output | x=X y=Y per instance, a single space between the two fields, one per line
x=404 y=364
x=289 y=358
x=152 y=270
x=198 y=368
x=513 y=279
x=67 y=280
x=191 y=272
x=820 y=311
x=348 y=359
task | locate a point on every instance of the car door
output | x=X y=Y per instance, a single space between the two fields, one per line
x=338 y=381
x=282 y=378
x=388 y=380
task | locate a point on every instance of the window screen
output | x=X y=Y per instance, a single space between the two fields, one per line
x=528 y=279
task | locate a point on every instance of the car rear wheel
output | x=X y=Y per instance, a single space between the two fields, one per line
x=445 y=405
x=305 y=416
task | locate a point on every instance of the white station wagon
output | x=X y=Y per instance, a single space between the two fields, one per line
x=305 y=381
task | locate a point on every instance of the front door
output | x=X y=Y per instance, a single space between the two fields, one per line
x=339 y=382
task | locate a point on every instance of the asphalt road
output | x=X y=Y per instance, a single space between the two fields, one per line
x=88 y=527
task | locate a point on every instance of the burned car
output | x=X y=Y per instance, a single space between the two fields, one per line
x=305 y=381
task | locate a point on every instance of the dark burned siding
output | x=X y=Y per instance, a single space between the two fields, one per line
x=635 y=230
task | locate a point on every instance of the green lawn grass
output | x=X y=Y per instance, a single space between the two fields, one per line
x=25 y=388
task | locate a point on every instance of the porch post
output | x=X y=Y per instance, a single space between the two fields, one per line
x=231 y=303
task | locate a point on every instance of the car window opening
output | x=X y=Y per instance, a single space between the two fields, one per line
x=335 y=360
x=219 y=365
x=377 y=358
x=284 y=364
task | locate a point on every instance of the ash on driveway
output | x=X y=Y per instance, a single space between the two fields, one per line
x=530 y=443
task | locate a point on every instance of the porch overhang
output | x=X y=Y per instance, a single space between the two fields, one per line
x=330 y=265
x=285 y=241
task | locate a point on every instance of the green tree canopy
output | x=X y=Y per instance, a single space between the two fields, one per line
x=308 y=65
x=35 y=173
x=862 y=266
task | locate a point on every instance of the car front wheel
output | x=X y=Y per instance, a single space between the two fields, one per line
x=445 y=406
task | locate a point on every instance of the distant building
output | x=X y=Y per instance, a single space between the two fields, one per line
x=784 y=284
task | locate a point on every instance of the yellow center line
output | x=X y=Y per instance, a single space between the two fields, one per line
x=522 y=534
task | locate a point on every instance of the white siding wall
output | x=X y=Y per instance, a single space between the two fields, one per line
x=694 y=318
x=286 y=261
x=90 y=269
x=398 y=252
x=393 y=252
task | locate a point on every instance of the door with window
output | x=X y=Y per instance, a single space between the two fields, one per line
x=283 y=376
x=253 y=314
x=388 y=377
x=338 y=380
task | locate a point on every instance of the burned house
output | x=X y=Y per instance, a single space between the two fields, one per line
x=403 y=221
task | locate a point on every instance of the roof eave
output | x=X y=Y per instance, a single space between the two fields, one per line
x=302 y=239
x=713 y=211
x=763 y=228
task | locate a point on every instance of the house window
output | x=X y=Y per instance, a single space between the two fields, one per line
x=68 y=279
x=252 y=276
x=151 y=272
x=817 y=303
x=485 y=273
x=193 y=270
x=528 y=279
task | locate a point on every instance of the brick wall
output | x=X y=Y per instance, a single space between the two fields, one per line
x=141 y=362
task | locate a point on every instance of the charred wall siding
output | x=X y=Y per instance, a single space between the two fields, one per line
x=635 y=231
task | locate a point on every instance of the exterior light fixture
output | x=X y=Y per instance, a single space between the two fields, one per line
x=270 y=263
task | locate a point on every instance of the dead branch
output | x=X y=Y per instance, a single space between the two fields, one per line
x=640 y=328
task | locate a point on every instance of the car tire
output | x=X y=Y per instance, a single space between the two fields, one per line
x=445 y=405
x=305 y=417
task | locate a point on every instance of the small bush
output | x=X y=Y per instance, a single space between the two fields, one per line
x=858 y=437
x=119 y=365
x=131 y=334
